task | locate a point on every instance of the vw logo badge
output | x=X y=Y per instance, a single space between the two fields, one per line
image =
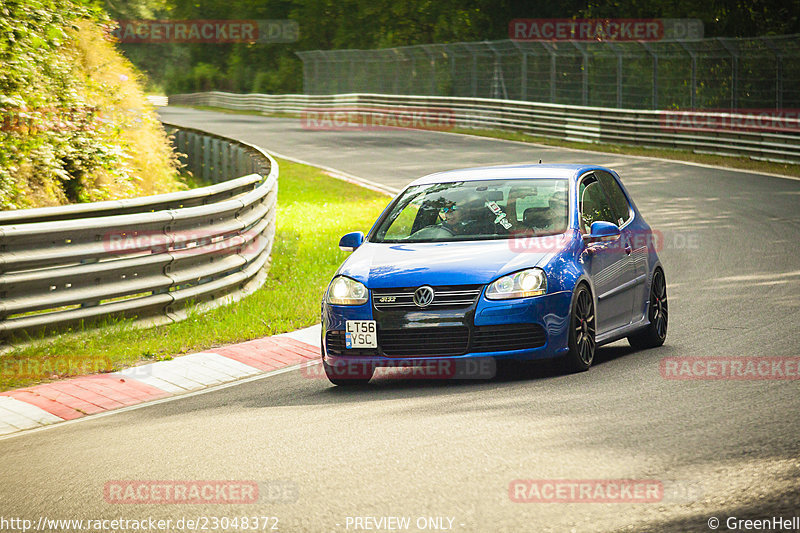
x=423 y=296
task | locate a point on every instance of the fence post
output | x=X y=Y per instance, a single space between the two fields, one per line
x=432 y=59
x=452 y=55
x=413 y=77
x=396 y=71
x=693 y=88
x=585 y=78
x=619 y=72
x=523 y=90
x=654 y=56
x=552 y=52
x=498 y=76
x=778 y=72
x=734 y=72
x=474 y=72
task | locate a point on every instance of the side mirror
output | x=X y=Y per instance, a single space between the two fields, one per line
x=602 y=231
x=351 y=241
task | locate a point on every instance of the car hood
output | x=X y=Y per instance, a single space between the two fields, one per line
x=387 y=265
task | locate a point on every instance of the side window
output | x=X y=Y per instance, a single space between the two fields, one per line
x=594 y=205
x=402 y=225
x=619 y=203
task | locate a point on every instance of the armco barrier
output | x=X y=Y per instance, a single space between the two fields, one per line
x=701 y=132
x=144 y=257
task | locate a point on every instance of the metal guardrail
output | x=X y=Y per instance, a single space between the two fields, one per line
x=156 y=100
x=655 y=129
x=146 y=257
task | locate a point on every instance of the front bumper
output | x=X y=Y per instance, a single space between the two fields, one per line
x=481 y=323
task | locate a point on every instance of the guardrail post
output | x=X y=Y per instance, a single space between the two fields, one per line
x=226 y=156
x=206 y=158
x=197 y=156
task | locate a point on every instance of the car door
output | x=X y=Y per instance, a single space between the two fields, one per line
x=608 y=263
x=635 y=241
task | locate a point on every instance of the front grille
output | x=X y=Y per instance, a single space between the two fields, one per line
x=445 y=297
x=507 y=337
x=424 y=341
x=444 y=341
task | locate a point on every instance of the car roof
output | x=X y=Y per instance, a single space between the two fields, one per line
x=528 y=171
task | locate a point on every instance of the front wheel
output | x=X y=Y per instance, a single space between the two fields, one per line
x=582 y=332
x=349 y=374
x=655 y=333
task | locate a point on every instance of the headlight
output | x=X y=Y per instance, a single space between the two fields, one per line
x=346 y=291
x=531 y=282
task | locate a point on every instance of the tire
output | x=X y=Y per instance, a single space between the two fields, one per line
x=655 y=333
x=346 y=375
x=582 y=332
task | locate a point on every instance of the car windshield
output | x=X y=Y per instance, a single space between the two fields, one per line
x=476 y=210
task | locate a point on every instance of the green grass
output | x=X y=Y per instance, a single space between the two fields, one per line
x=741 y=163
x=314 y=210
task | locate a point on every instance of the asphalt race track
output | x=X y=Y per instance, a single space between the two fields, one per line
x=408 y=448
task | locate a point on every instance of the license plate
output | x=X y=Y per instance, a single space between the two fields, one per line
x=361 y=334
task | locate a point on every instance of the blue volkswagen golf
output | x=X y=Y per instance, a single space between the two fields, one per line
x=505 y=263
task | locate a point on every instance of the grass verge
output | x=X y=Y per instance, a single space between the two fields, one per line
x=314 y=210
x=739 y=163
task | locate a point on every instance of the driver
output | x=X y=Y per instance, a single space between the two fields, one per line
x=459 y=218
x=557 y=214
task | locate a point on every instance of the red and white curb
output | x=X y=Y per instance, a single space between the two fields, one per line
x=50 y=403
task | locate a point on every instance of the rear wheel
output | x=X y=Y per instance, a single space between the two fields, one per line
x=582 y=332
x=349 y=374
x=655 y=333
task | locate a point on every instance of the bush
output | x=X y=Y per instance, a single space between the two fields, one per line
x=75 y=124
